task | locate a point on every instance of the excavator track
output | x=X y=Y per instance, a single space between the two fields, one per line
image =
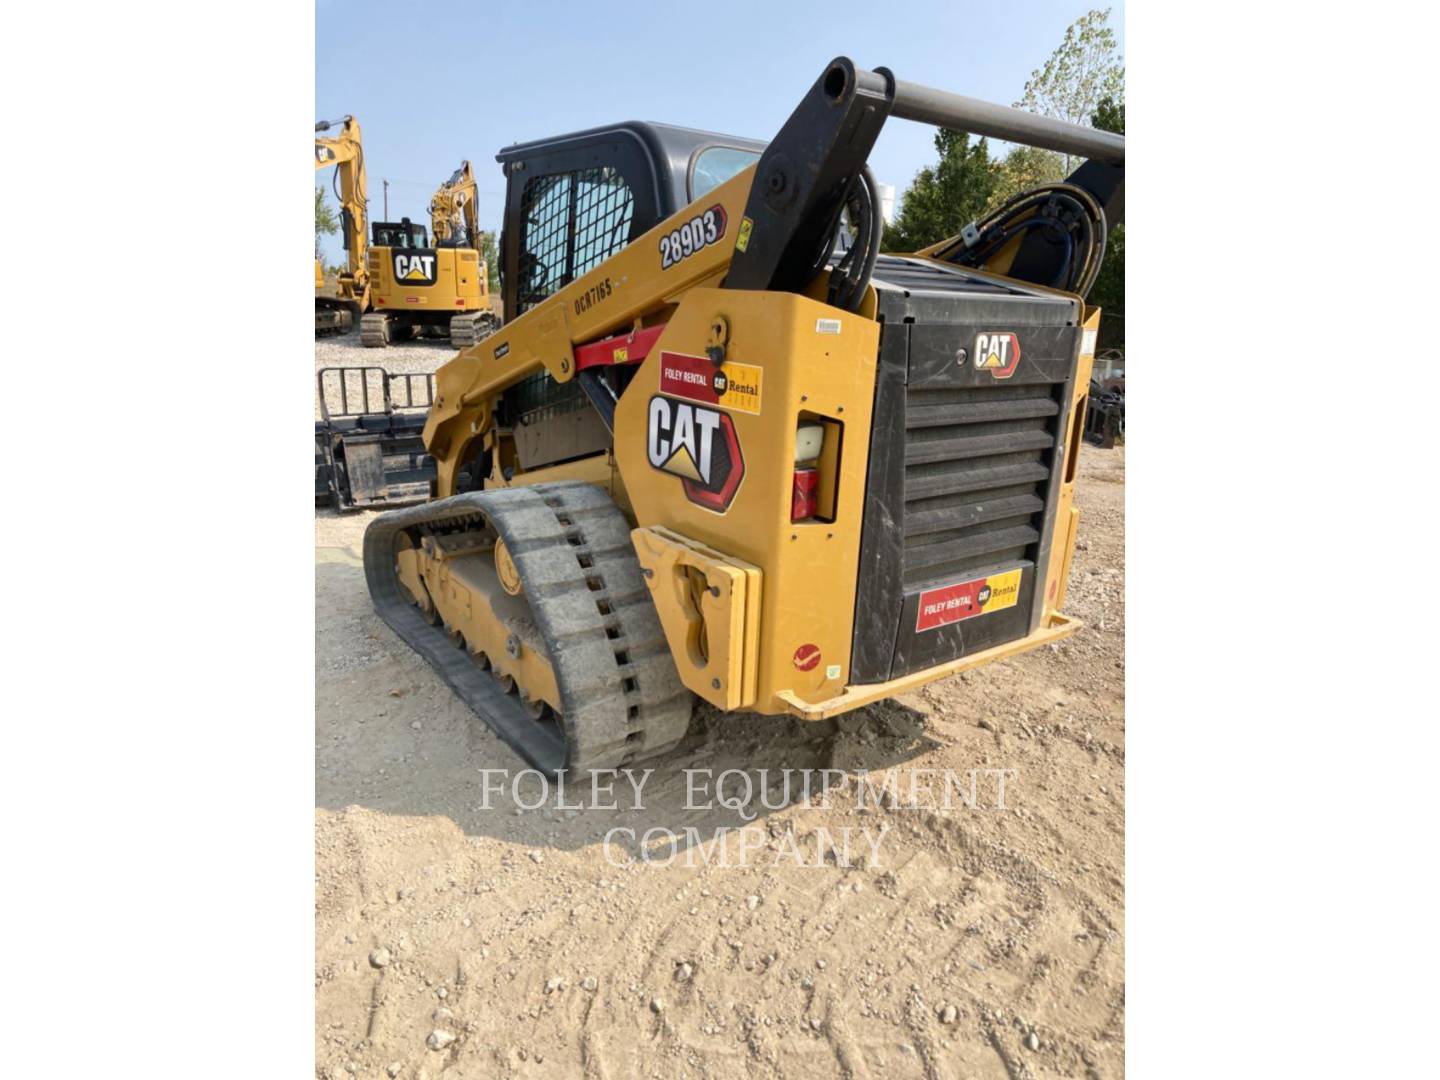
x=331 y=322
x=621 y=698
x=374 y=330
x=332 y=316
x=472 y=328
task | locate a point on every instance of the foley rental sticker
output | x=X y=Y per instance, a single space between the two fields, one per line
x=730 y=386
x=951 y=603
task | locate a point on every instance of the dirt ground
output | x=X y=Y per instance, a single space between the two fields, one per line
x=463 y=941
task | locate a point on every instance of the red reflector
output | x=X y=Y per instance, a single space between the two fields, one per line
x=459 y=303
x=802 y=493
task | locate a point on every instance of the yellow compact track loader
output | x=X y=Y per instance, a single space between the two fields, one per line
x=338 y=311
x=415 y=286
x=723 y=448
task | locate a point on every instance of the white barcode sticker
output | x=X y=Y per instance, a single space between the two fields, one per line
x=1087 y=343
x=827 y=326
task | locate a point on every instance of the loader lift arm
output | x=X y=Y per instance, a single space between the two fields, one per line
x=781 y=214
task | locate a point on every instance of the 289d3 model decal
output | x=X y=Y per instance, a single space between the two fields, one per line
x=699 y=232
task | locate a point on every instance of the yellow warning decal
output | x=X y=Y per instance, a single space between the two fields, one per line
x=742 y=239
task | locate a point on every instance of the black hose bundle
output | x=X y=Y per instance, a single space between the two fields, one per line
x=1067 y=216
x=851 y=275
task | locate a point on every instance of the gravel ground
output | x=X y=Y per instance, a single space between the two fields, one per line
x=456 y=939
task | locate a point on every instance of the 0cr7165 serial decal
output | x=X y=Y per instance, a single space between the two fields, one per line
x=700 y=231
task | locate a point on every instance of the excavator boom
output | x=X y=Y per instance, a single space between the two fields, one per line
x=453 y=217
x=344 y=152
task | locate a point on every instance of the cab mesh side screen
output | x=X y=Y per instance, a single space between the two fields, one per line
x=573 y=222
x=539 y=397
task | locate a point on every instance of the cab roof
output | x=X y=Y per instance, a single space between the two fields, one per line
x=671 y=150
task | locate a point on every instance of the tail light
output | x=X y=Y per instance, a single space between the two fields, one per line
x=805 y=487
x=803 y=491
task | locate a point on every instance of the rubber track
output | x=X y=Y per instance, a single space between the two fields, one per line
x=468 y=329
x=621 y=698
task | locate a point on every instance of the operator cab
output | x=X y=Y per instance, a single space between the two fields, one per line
x=398 y=234
x=573 y=201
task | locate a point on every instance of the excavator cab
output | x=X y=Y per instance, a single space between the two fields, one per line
x=399 y=234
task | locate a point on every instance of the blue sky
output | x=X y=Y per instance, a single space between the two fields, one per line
x=432 y=84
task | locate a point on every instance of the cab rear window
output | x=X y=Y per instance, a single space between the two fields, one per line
x=716 y=164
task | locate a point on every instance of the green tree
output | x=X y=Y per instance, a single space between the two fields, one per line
x=943 y=199
x=1083 y=81
x=1108 y=292
x=327 y=222
x=1086 y=69
x=1023 y=168
x=1109 y=115
x=490 y=252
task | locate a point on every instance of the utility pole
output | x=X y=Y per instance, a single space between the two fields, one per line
x=386 y=184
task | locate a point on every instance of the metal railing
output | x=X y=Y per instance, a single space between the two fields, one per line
x=371 y=391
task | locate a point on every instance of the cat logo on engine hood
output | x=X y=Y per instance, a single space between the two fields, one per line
x=997 y=353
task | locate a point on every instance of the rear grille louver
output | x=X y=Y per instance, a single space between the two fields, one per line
x=964 y=463
x=976 y=466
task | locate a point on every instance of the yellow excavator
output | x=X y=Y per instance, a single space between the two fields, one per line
x=417 y=287
x=338 y=310
x=723 y=448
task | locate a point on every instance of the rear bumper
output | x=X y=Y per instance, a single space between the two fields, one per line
x=1052 y=629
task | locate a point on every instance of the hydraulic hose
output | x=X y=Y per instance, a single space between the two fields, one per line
x=851 y=275
x=1065 y=210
